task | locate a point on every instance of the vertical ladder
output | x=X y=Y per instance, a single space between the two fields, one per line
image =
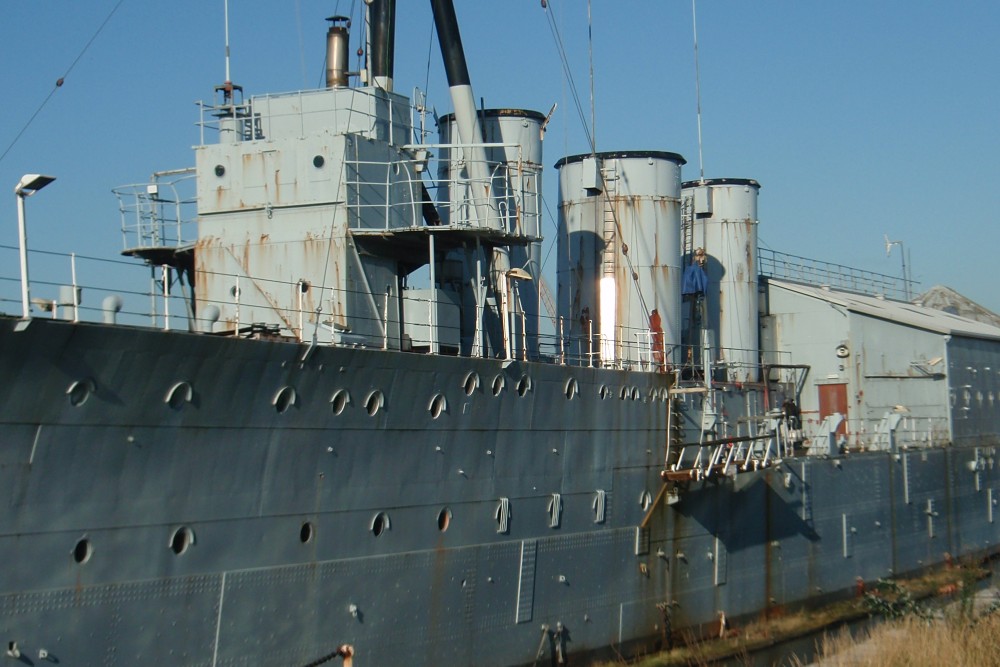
x=687 y=228
x=608 y=349
x=609 y=257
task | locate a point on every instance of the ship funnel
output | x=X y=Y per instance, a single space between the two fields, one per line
x=382 y=17
x=337 y=51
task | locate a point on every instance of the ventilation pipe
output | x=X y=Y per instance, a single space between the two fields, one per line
x=470 y=133
x=337 y=51
x=381 y=51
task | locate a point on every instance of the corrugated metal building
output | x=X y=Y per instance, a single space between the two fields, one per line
x=929 y=375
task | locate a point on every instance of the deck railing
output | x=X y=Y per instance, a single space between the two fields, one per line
x=781 y=265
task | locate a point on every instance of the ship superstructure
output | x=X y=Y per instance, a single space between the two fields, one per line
x=380 y=429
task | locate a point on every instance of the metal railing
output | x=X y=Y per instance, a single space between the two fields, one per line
x=512 y=202
x=161 y=213
x=154 y=296
x=884 y=433
x=780 y=265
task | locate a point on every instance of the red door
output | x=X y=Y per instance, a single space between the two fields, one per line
x=833 y=398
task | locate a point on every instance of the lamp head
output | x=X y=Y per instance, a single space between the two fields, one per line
x=32 y=183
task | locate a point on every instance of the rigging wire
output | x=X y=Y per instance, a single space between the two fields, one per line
x=61 y=80
x=589 y=130
x=430 y=50
x=333 y=222
x=568 y=73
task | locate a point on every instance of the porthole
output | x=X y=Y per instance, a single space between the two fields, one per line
x=339 y=401
x=555 y=510
x=523 y=385
x=318 y=161
x=634 y=393
x=503 y=515
x=604 y=392
x=380 y=524
x=645 y=500
x=438 y=405
x=444 y=519
x=571 y=389
x=623 y=394
x=471 y=383
x=182 y=538
x=220 y=170
x=374 y=402
x=178 y=395
x=80 y=391
x=284 y=399
x=82 y=551
x=498 y=385
x=307 y=532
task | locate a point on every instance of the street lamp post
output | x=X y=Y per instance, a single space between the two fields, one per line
x=27 y=186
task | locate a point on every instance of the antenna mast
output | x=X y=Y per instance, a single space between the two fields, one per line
x=226 y=5
x=902 y=255
x=228 y=88
x=697 y=88
x=590 y=52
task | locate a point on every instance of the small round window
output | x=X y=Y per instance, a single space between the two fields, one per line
x=471 y=383
x=178 y=395
x=284 y=399
x=498 y=385
x=339 y=401
x=645 y=500
x=571 y=389
x=444 y=519
x=82 y=551
x=380 y=524
x=523 y=385
x=182 y=538
x=374 y=402
x=306 y=532
x=438 y=405
x=80 y=391
x=604 y=391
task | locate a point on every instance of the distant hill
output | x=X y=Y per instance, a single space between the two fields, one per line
x=944 y=298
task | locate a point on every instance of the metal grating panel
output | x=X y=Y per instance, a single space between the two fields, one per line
x=641 y=541
x=846 y=532
x=721 y=561
x=906 y=479
x=526 y=581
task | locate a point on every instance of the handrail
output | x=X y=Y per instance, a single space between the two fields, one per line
x=774 y=264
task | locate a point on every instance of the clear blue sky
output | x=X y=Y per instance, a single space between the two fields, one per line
x=859 y=118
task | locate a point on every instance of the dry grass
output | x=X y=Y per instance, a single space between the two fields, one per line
x=981 y=642
x=910 y=642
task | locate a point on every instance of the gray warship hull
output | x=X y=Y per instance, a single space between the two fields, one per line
x=124 y=470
